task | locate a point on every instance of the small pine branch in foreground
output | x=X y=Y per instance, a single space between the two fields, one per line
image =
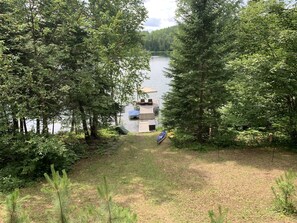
x=59 y=189
x=284 y=192
x=15 y=213
x=221 y=217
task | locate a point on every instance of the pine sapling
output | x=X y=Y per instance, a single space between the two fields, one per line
x=284 y=192
x=59 y=188
x=221 y=217
x=115 y=213
x=15 y=213
x=105 y=195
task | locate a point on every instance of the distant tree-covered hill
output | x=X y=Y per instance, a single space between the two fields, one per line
x=159 y=40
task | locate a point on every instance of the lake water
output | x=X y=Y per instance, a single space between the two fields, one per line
x=157 y=81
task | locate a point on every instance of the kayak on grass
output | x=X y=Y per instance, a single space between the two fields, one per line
x=161 y=137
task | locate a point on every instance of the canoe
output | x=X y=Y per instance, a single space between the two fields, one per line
x=121 y=130
x=161 y=137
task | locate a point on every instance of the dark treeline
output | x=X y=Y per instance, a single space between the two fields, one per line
x=159 y=41
x=233 y=68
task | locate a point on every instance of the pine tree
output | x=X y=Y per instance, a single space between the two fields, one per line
x=197 y=66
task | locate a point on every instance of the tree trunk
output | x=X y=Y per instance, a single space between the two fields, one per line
x=25 y=126
x=15 y=123
x=84 y=122
x=72 y=122
x=292 y=108
x=200 y=127
x=38 y=126
x=21 y=125
x=94 y=127
x=44 y=125
x=53 y=128
x=116 y=119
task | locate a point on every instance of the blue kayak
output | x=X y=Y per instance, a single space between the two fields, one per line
x=161 y=136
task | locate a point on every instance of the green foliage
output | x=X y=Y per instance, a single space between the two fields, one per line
x=197 y=67
x=159 y=41
x=59 y=189
x=109 y=133
x=221 y=217
x=105 y=195
x=253 y=137
x=8 y=182
x=263 y=66
x=61 y=59
x=25 y=157
x=285 y=192
x=182 y=139
x=225 y=138
x=15 y=213
x=111 y=212
x=74 y=143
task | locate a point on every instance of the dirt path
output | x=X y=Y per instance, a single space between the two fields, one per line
x=162 y=184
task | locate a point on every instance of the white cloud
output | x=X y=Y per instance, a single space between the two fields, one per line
x=162 y=11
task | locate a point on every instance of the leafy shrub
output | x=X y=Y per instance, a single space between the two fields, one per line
x=109 y=133
x=182 y=140
x=221 y=217
x=253 y=137
x=26 y=157
x=9 y=182
x=284 y=192
x=225 y=138
x=74 y=143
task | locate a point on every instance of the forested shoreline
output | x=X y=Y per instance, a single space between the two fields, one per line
x=159 y=42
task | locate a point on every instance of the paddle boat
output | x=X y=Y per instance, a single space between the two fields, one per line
x=134 y=114
x=161 y=137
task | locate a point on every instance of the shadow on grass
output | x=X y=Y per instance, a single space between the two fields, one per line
x=260 y=158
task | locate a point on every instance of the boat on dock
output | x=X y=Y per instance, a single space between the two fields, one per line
x=134 y=114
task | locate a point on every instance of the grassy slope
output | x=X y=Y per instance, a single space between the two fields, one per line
x=161 y=184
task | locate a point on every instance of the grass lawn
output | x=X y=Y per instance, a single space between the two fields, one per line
x=162 y=184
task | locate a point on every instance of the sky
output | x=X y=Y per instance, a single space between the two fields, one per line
x=161 y=14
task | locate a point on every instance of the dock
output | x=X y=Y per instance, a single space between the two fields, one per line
x=146 y=112
x=147 y=121
x=147 y=125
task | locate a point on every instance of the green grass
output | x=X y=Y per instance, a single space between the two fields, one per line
x=163 y=184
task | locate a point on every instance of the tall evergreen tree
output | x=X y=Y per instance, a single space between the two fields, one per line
x=197 y=66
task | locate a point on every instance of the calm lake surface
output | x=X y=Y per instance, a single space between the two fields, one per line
x=157 y=81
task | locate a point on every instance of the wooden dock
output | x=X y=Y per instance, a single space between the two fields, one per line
x=147 y=122
x=147 y=125
x=146 y=112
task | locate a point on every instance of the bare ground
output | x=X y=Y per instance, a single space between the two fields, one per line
x=162 y=184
